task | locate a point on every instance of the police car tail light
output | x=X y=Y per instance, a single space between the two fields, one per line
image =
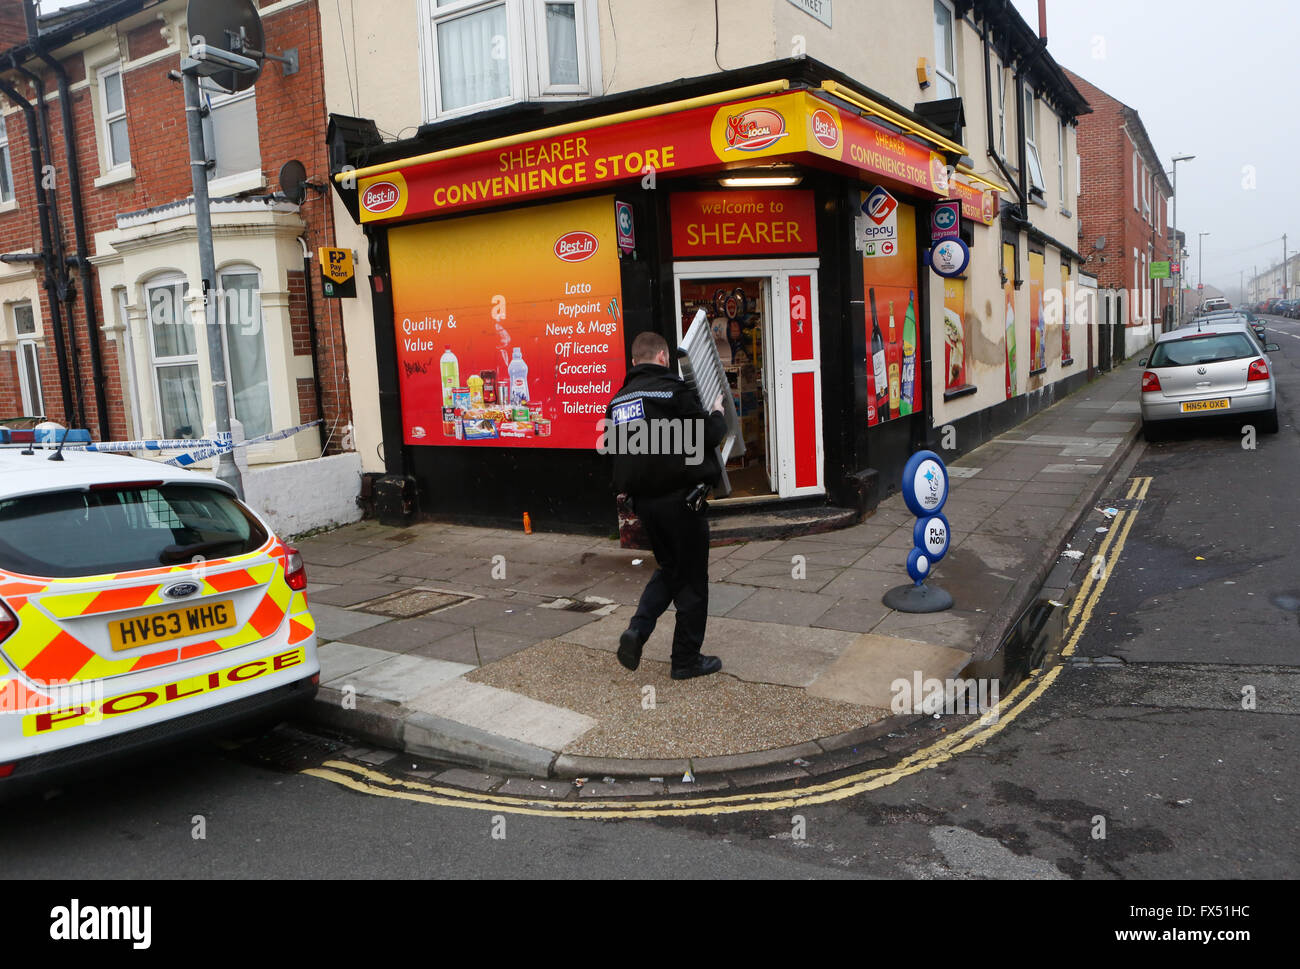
x=1150 y=382
x=1258 y=370
x=295 y=572
x=8 y=622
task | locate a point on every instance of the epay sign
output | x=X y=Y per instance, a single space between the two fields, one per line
x=877 y=227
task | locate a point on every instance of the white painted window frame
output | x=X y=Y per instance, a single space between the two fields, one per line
x=939 y=68
x=172 y=280
x=529 y=70
x=7 y=162
x=106 y=119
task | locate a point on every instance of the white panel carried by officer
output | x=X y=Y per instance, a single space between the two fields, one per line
x=665 y=459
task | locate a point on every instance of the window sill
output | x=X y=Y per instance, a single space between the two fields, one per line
x=9 y=206
x=1067 y=213
x=1035 y=373
x=124 y=174
x=960 y=391
x=239 y=182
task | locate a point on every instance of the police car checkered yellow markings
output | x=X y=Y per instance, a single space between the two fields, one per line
x=46 y=651
x=43 y=651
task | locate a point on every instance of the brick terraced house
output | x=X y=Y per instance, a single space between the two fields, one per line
x=101 y=301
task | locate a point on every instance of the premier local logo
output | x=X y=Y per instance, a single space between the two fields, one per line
x=755 y=129
x=576 y=246
x=824 y=128
x=380 y=197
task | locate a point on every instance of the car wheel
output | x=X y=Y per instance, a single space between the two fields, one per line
x=1151 y=431
x=1268 y=423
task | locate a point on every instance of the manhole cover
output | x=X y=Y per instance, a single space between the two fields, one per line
x=412 y=602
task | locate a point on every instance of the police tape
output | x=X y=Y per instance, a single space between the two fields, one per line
x=200 y=449
x=212 y=449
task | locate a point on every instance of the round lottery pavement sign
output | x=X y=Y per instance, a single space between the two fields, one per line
x=925 y=484
x=932 y=536
x=918 y=565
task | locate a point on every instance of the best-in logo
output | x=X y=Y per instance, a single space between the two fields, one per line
x=824 y=129
x=755 y=129
x=576 y=246
x=380 y=197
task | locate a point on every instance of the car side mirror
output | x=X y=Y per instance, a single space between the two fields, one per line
x=1142 y=362
x=1272 y=347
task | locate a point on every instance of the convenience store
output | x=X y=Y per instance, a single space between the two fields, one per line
x=511 y=272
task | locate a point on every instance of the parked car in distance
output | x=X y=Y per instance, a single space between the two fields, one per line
x=1215 y=303
x=1209 y=368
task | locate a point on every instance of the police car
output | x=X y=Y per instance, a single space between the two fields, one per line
x=140 y=604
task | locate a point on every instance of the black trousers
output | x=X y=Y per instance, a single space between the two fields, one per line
x=680 y=540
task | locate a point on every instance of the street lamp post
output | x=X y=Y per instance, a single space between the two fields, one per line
x=1200 y=262
x=1177 y=159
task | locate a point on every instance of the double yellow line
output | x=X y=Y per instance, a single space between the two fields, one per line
x=375 y=783
x=1094 y=585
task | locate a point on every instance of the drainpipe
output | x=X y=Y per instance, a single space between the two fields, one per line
x=82 y=257
x=988 y=104
x=46 y=148
x=42 y=208
x=311 y=332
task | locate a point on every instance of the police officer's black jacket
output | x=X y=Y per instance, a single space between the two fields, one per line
x=652 y=396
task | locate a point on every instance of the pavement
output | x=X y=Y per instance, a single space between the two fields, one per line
x=494 y=650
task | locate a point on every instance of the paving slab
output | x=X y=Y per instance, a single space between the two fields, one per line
x=403 y=635
x=335 y=623
x=350 y=594
x=784 y=606
x=777 y=574
x=339 y=659
x=502 y=712
x=400 y=678
x=864 y=672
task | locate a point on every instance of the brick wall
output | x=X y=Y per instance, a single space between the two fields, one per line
x=292 y=120
x=1106 y=197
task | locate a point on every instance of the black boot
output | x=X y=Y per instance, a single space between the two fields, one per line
x=629 y=649
x=699 y=666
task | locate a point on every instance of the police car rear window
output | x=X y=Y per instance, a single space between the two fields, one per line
x=62 y=534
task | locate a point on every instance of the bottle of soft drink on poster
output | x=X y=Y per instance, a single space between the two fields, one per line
x=894 y=364
x=909 y=356
x=879 y=379
x=450 y=368
x=518 y=379
x=1011 y=348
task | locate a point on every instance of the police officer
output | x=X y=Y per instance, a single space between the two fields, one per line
x=652 y=409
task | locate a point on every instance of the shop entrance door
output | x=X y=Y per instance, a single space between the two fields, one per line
x=764 y=319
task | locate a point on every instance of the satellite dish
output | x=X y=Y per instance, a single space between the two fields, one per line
x=227 y=25
x=1100 y=244
x=293 y=181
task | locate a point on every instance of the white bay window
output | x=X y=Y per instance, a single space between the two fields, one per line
x=481 y=54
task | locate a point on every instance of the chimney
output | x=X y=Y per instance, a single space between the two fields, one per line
x=13 y=26
x=1042 y=19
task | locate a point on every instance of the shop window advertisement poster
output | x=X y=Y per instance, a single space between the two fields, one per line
x=893 y=325
x=509 y=326
x=954 y=333
x=1009 y=297
x=1037 y=318
x=1066 y=299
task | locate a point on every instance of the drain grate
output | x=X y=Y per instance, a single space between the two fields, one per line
x=410 y=603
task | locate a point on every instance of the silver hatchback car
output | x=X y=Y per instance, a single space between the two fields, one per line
x=1214 y=368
